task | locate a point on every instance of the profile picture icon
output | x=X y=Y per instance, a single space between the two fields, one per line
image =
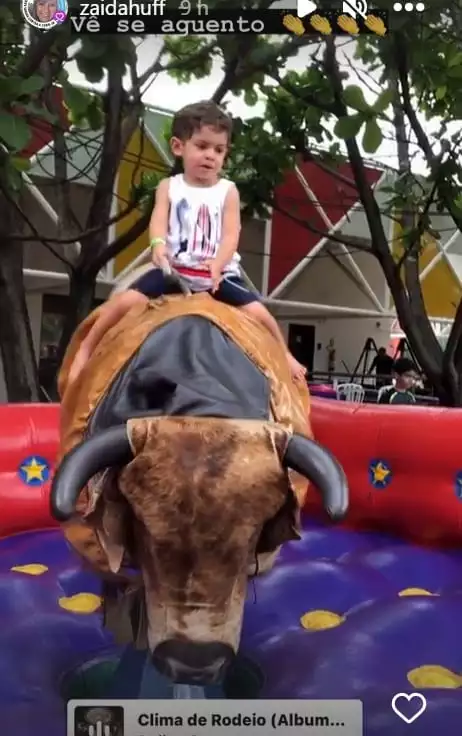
x=99 y=720
x=44 y=14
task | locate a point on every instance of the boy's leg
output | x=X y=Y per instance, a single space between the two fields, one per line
x=259 y=312
x=233 y=291
x=111 y=312
x=149 y=286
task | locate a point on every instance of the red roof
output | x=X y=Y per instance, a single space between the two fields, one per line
x=291 y=242
x=42 y=131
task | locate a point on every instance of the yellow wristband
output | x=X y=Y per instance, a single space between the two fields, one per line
x=156 y=241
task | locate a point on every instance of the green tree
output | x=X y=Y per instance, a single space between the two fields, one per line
x=322 y=115
x=319 y=115
x=29 y=73
x=27 y=80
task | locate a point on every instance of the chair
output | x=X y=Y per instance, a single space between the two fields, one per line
x=350 y=392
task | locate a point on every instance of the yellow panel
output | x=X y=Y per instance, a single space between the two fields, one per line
x=139 y=153
x=441 y=289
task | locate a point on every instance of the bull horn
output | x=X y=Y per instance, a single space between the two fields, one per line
x=322 y=469
x=105 y=449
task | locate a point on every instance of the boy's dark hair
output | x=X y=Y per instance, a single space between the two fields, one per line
x=403 y=365
x=193 y=117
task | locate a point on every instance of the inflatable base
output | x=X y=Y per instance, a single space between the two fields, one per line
x=345 y=613
x=342 y=615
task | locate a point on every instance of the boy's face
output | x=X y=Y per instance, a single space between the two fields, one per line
x=407 y=380
x=203 y=154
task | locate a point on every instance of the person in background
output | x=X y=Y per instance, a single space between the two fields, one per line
x=383 y=366
x=405 y=377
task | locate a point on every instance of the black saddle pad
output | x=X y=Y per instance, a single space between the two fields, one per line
x=188 y=367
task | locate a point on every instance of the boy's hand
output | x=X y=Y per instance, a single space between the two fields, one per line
x=159 y=256
x=215 y=273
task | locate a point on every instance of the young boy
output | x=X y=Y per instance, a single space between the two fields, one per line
x=195 y=228
x=405 y=375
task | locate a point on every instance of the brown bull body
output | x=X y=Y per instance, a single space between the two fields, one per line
x=199 y=500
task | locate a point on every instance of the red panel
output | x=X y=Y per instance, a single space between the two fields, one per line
x=27 y=431
x=422 y=500
x=419 y=446
x=290 y=242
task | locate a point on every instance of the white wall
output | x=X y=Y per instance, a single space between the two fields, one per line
x=349 y=336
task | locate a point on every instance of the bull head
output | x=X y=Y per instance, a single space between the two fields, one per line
x=202 y=493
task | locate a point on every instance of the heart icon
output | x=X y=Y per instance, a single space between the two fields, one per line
x=59 y=16
x=418 y=697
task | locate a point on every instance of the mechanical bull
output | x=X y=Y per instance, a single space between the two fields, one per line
x=185 y=454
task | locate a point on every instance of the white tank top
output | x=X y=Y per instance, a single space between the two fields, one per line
x=195 y=223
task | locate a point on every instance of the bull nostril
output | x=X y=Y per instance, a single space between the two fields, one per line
x=193 y=663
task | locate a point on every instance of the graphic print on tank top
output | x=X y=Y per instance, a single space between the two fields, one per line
x=197 y=237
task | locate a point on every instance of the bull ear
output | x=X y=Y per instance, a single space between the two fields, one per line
x=105 y=449
x=321 y=468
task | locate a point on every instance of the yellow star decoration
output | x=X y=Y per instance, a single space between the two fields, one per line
x=33 y=569
x=84 y=603
x=434 y=676
x=321 y=620
x=380 y=473
x=416 y=591
x=33 y=470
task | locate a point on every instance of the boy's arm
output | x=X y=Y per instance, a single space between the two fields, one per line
x=231 y=228
x=158 y=225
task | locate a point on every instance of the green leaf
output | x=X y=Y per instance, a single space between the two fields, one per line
x=39 y=113
x=14 y=131
x=62 y=77
x=440 y=93
x=455 y=60
x=250 y=97
x=349 y=126
x=92 y=69
x=91 y=48
x=8 y=87
x=383 y=101
x=20 y=164
x=76 y=100
x=94 y=114
x=372 y=137
x=30 y=86
x=455 y=72
x=354 y=98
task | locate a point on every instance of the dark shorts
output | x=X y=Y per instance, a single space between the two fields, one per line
x=232 y=290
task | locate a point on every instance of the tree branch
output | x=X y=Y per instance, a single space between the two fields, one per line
x=36 y=52
x=12 y=203
x=302 y=95
x=359 y=244
x=379 y=240
x=122 y=242
x=67 y=222
x=308 y=155
x=423 y=141
x=110 y=155
x=85 y=234
x=371 y=208
x=418 y=231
